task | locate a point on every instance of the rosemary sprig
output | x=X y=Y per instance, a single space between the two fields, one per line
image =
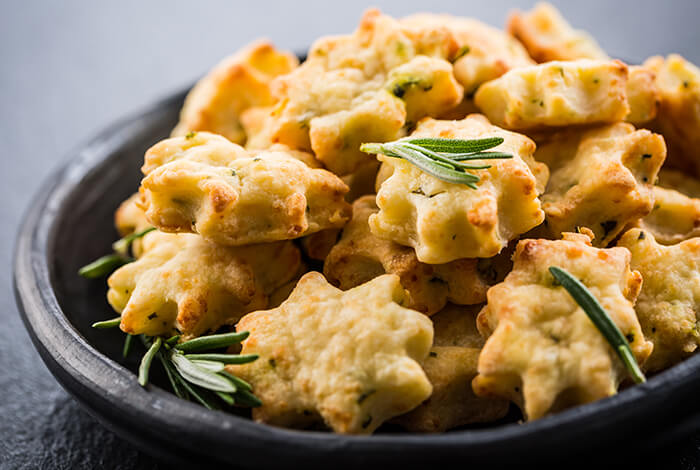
x=104 y=265
x=600 y=319
x=201 y=380
x=442 y=158
x=197 y=377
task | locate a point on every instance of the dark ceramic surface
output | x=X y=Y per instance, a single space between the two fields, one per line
x=70 y=67
x=70 y=223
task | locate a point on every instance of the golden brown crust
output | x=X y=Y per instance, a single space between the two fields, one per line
x=485 y=52
x=557 y=94
x=643 y=95
x=542 y=351
x=317 y=245
x=446 y=221
x=184 y=283
x=360 y=256
x=548 y=36
x=601 y=178
x=130 y=218
x=207 y=185
x=362 y=87
x=238 y=82
x=669 y=302
x=679 y=115
x=674 y=218
x=453 y=403
x=349 y=358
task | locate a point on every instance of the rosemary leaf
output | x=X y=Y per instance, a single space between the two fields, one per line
x=199 y=376
x=445 y=158
x=437 y=144
x=428 y=166
x=204 y=343
x=226 y=398
x=477 y=156
x=128 y=340
x=211 y=366
x=471 y=166
x=238 y=382
x=440 y=157
x=122 y=245
x=199 y=395
x=246 y=398
x=600 y=319
x=223 y=358
x=173 y=377
x=103 y=266
x=146 y=361
x=113 y=323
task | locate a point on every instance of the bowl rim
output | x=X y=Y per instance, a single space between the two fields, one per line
x=112 y=394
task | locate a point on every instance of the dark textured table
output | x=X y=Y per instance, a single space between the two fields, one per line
x=69 y=68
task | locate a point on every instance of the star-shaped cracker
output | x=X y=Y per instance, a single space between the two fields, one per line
x=184 y=283
x=601 y=178
x=447 y=221
x=547 y=36
x=674 y=218
x=238 y=82
x=679 y=115
x=669 y=303
x=360 y=256
x=205 y=184
x=676 y=213
x=556 y=94
x=362 y=87
x=485 y=52
x=350 y=358
x=542 y=351
x=450 y=367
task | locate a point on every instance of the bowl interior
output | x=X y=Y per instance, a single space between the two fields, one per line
x=84 y=231
x=77 y=214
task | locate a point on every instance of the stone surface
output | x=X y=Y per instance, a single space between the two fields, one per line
x=70 y=68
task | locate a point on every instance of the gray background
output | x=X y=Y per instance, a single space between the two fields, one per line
x=69 y=68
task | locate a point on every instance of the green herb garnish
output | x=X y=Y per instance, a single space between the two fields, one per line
x=147 y=359
x=197 y=377
x=464 y=50
x=112 y=323
x=200 y=377
x=600 y=319
x=223 y=358
x=128 y=340
x=104 y=265
x=122 y=245
x=442 y=158
x=212 y=342
x=401 y=85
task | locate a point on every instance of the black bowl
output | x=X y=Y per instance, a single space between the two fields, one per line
x=70 y=223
